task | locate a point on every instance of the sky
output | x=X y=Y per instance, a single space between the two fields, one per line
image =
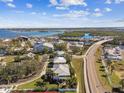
x=61 y=13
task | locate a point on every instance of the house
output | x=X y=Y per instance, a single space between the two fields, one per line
x=48 y=45
x=113 y=54
x=31 y=55
x=38 y=47
x=62 y=70
x=60 y=53
x=23 y=38
x=5 y=89
x=2 y=52
x=59 y=60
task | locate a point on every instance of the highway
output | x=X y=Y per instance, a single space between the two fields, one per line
x=92 y=83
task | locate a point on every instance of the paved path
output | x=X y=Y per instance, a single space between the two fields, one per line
x=92 y=83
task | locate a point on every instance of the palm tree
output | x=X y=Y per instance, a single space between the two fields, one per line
x=40 y=84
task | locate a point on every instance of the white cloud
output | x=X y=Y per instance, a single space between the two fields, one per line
x=6 y=1
x=72 y=2
x=11 y=5
x=97 y=10
x=44 y=13
x=29 y=5
x=114 y=1
x=18 y=11
x=62 y=8
x=33 y=13
x=68 y=2
x=73 y=14
x=84 y=4
x=108 y=9
x=108 y=1
x=98 y=14
x=119 y=1
x=53 y=2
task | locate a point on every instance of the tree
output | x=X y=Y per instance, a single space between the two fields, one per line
x=17 y=59
x=40 y=84
x=61 y=47
x=122 y=83
x=76 y=50
x=68 y=57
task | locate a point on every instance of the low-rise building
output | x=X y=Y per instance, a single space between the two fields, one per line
x=113 y=53
x=38 y=47
x=48 y=45
x=87 y=36
x=59 y=60
x=2 y=52
x=62 y=70
x=60 y=53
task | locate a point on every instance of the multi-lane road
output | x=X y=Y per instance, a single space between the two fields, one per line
x=92 y=83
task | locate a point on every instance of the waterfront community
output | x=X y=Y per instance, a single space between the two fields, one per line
x=62 y=62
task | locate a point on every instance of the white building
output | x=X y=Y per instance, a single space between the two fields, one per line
x=60 y=53
x=59 y=60
x=113 y=53
x=49 y=45
x=62 y=70
x=5 y=89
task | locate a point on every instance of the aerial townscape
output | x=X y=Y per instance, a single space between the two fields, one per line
x=61 y=46
x=83 y=61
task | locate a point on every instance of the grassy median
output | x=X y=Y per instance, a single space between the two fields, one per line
x=100 y=70
x=78 y=65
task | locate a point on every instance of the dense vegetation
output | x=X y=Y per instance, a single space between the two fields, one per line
x=118 y=35
x=16 y=62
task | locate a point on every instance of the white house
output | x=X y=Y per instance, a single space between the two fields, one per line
x=49 y=45
x=59 y=60
x=62 y=70
x=60 y=53
x=5 y=89
x=31 y=55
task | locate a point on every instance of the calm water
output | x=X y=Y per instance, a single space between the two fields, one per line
x=12 y=34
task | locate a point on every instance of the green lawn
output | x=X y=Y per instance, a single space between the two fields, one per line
x=70 y=92
x=78 y=67
x=30 y=85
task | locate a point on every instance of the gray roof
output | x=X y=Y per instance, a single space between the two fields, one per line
x=61 y=69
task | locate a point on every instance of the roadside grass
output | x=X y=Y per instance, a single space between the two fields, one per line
x=77 y=64
x=8 y=59
x=102 y=75
x=115 y=79
x=101 y=72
